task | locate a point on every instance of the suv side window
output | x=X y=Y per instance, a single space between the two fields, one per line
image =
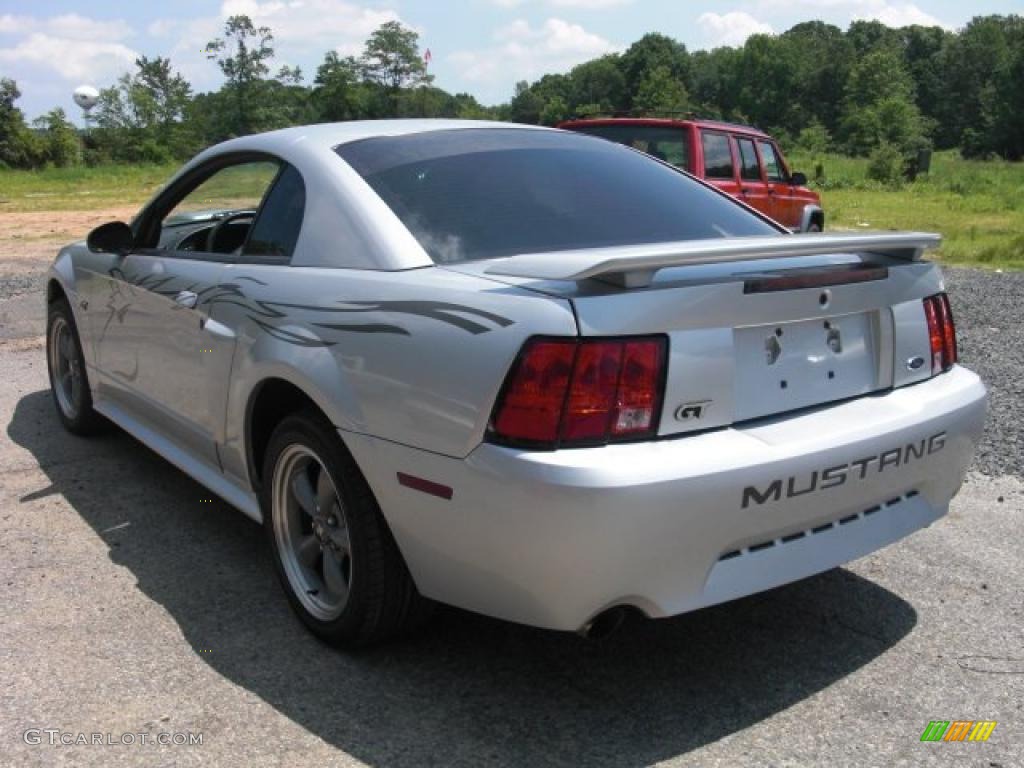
x=276 y=228
x=750 y=170
x=772 y=165
x=717 y=156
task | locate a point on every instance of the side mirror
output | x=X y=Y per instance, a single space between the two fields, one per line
x=112 y=237
x=798 y=179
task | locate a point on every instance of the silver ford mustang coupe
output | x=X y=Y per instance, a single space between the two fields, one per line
x=530 y=373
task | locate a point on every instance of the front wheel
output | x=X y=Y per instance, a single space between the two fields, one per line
x=334 y=554
x=65 y=364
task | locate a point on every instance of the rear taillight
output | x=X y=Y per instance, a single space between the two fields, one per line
x=941 y=332
x=565 y=392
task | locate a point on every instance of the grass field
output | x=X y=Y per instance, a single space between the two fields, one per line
x=80 y=189
x=977 y=206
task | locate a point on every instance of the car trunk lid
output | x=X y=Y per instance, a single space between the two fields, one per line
x=756 y=326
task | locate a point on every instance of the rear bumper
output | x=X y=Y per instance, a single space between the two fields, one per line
x=552 y=539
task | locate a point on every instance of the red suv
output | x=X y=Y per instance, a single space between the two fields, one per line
x=738 y=159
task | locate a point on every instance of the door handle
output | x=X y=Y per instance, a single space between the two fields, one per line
x=211 y=326
x=186 y=299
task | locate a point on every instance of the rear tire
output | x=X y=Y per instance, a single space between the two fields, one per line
x=334 y=554
x=65 y=363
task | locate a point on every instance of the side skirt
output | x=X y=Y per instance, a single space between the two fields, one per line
x=201 y=472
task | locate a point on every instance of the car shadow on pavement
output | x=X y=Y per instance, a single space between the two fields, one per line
x=465 y=690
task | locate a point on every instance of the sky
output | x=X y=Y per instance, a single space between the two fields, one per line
x=482 y=47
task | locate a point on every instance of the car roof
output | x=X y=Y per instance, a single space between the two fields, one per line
x=667 y=121
x=330 y=135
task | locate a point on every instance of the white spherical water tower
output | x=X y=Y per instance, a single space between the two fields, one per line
x=86 y=97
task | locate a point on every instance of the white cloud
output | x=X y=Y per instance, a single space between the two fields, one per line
x=71 y=59
x=583 y=5
x=731 y=28
x=302 y=23
x=893 y=14
x=522 y=52
x=298 y=26
x=588 y=4
x=70 y=26
x=900 y=15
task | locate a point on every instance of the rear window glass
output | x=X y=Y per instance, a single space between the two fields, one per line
x=669 y=144
x=483 y=193
x=717 y=157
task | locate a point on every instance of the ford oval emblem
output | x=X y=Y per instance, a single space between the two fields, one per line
x=915 y=362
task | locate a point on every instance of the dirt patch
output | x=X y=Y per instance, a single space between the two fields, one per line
x=22 y=345
x=31 y=239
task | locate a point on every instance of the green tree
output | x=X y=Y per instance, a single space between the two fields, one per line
x=652 y=52
x=555 y=111
x=338 y=93
x=879 y=106
x=142 y=118
x=526 y=105
x=61 y=145
x=19 y=147
x=468 y=108
x=661 y=91
x=714 y=77
x=243 y=54
x=971 y=64
x=391 y=58
x=922 y=55
x=1002 y=107
x=768 y=69
x=815 y=140
x=822 y=57
x=871 y=35
x=597 y=83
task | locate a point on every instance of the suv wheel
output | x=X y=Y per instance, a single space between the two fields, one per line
x=334 y=554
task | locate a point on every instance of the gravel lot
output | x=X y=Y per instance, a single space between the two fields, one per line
x=130 y=605
x=989 y=314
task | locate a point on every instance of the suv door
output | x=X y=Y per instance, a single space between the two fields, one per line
x=164 y=359
x=753 y=189
x=780 y=191
x=718 y=162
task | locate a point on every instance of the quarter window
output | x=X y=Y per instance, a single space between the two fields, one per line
x=717 y=157
x=276 y=229
x=772 y=166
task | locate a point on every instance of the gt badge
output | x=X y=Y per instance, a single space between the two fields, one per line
x=692 y=411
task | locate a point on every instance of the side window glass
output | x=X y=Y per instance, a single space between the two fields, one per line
x=276 y=229
x=749 y=169
x=717 y=157
x=772 y=166
x=227 y=201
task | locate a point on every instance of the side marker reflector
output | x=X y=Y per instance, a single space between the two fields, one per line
x=425 y=486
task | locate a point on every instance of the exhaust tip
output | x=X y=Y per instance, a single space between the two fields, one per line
x=605 y=623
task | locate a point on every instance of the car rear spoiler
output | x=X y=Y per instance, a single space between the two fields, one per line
x=633 y=266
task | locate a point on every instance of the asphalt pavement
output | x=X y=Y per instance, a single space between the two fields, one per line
x=132 y=605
